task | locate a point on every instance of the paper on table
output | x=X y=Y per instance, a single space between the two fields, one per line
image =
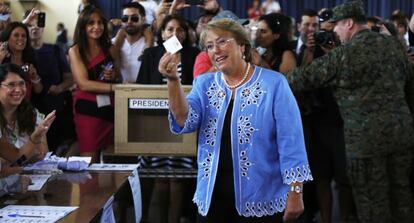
x=113 y=167
x=172 y=45
x=80 y=158
x=38 y=180
x=30 y=213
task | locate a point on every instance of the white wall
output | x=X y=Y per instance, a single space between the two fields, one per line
x=56 y=11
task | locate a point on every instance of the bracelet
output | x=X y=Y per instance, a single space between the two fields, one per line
x=31 y=140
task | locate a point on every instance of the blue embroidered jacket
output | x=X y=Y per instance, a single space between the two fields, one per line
x=267 y=141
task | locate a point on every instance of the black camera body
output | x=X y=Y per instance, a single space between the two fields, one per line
x=325 y=37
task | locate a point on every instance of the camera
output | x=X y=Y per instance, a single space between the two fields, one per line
x=41 y=19
x=325 y=37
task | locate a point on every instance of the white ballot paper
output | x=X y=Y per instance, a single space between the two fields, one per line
x=172 y=45
x=38 y=180
x=30 y=213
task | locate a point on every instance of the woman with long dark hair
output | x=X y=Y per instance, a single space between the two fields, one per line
x=272 y=35
x=92 y=60
x=18 y=119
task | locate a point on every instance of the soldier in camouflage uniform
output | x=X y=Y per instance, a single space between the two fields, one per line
x=372 y=81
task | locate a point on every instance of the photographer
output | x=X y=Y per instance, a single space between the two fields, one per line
x=315 y=39
x=323 y=125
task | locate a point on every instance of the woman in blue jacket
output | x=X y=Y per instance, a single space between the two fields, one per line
x=251 y=154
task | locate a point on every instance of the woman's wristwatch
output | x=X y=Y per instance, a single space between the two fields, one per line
x=296 y=188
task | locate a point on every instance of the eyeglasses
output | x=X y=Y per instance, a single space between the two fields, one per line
x=134 y=18
x=14 y=85
x=221 y=44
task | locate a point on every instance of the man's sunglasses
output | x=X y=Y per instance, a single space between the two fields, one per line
x=134 y=18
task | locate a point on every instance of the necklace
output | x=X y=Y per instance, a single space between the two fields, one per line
x=241 y=81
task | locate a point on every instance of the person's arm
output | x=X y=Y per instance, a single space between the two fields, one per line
x=211 y=6
x=11 y=153
x=66 y=84
x=177 y=5
x=321 y=72
x=42 y=148
x=148 y=37
x=288 y=62
x=119 y=39
x=32 y=15
x=162 y=10
x=80 y=74
x=258 y=60
x=115 y=75
x=290 y=143
x=411 y=25
x=294 y=205
x=67 y=79
x=309 y=50
x=177 y=101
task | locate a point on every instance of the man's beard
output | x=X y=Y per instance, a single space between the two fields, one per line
x=132 y=30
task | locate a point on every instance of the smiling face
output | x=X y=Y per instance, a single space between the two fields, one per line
x=12 y=90
x=94 y=27
x=18 y=39
x=224 y=51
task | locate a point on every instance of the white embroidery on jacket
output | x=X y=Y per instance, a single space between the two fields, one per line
x=251 y=95
x=215 y=96
x=297 y=174
x=210 y=132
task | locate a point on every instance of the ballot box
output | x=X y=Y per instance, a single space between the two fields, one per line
x=141 y=122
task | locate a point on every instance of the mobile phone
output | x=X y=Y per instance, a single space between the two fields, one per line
x=41 y=19
x=194 y=2
x=108 y=66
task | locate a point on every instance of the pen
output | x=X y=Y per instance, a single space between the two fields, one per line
x=26 y=216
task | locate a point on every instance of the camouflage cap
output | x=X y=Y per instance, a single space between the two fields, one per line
x=349 y=9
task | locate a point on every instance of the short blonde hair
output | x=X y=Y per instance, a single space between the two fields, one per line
x=231 y=26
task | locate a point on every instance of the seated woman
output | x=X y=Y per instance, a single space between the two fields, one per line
x=22 y=130
x=16 y=48
x=18 y=118
x=272 y=35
